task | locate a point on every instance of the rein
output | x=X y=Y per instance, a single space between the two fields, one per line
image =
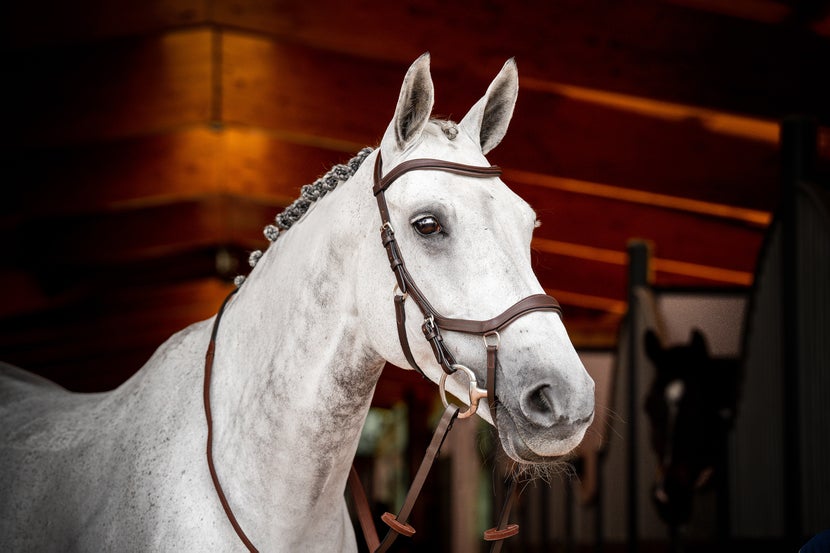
x=433 y=323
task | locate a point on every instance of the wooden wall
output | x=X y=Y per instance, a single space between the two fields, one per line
x=148 y=143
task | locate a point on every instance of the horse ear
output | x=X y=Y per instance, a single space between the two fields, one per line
x=487 y=120
x=654 y=349
x=414 y=106
x=698 y=343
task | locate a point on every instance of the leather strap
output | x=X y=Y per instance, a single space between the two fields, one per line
x=492 y=362
x=209 y=356
x=383 y=182
x=441 y=431
x=503 y=530
x=535 y=302
x=400 y=318
x=398 y=524
x=364 y=512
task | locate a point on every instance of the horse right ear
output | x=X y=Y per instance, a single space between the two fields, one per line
x=698 y=343
x=414 y=107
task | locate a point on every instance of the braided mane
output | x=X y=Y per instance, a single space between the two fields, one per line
x=309 y=194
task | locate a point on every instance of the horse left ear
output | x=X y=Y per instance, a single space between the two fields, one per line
x=487 y=120
x=414 y=106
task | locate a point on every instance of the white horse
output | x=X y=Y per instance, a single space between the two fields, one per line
x=299 y=351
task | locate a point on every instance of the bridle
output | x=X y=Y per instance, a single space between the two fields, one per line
x=432 y=326
x=434 y=322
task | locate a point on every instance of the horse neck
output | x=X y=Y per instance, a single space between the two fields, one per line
x=293 y=380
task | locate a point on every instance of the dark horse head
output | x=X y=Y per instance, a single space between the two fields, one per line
x=691 y=405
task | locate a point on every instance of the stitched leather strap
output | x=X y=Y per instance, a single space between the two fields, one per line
x=364 y=512
x=209 y=356
x=400 y=319
x=383 y=182
x=535 y=302
x=398 y=523
x=441 y=431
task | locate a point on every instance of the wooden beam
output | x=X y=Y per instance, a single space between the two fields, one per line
x=609 y=224
x=662 y=51
x=297 y=94
x=570 y=228
x=185 y=164
x=106 y=91
x=29 y=24
x=300 y=91
x=679 y=51
x=144 y=233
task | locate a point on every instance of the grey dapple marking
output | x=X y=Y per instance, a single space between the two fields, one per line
x=300 y=349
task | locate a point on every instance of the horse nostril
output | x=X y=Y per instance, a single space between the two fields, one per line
x=539 y=399
x=541 y=406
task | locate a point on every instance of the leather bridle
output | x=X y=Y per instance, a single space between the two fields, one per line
x=432 y=326
x=434 y=322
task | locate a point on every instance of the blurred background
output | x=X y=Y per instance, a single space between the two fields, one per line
x=148 y=143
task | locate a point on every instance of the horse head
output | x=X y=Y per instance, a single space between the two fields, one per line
x=690 y=405
x=466 y=242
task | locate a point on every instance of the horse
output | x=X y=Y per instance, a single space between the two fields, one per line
x=691 y=406
x=297 y=357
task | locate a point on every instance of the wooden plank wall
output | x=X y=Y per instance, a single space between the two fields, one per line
x=148 y=143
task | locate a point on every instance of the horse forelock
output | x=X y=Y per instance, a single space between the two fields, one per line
x=449 y=128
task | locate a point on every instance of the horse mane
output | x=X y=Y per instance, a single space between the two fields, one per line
x=310 y=193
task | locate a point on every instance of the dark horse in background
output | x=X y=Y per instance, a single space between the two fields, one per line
x=691 y=406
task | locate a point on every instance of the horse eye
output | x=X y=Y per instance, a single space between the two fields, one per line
x=427 y=225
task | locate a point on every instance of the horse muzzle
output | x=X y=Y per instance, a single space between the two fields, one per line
x=546 y=420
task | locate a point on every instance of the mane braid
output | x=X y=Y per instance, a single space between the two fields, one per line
x=309 y=194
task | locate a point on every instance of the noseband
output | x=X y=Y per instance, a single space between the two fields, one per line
x=434 y=322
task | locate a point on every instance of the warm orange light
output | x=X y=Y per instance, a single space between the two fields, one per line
x=615 y=257
x=716 y=121
x=608 y=305
x=752 y=216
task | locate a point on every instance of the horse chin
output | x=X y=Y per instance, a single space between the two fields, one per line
x=534 y=448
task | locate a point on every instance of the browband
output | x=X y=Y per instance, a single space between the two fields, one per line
x=382 y=183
